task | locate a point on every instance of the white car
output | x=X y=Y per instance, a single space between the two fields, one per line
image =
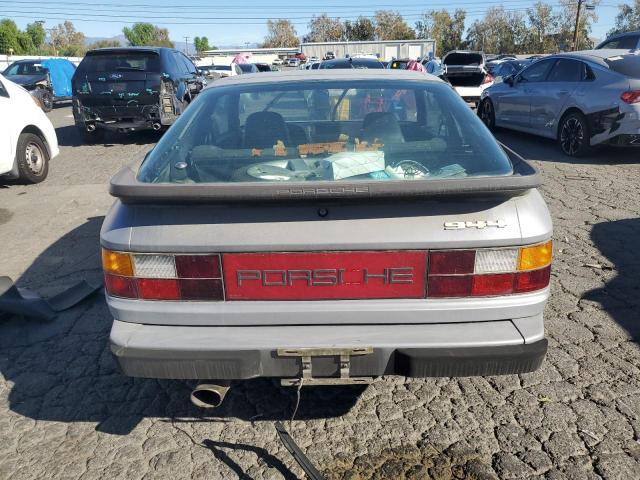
x=278 y=61
x=27 y=138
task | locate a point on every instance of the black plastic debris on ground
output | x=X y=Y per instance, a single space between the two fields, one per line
x=22 y=301
x=297 y=454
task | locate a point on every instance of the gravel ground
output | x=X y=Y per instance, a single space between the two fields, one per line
x=66 y=412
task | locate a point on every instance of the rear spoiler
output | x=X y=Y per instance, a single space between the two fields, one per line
x=125 y=186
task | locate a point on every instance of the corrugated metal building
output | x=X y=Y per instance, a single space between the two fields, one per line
x=384 y=49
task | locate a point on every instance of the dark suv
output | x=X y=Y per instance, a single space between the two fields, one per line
x=131 y=89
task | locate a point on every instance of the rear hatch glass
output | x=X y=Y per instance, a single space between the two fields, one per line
x=326 y=131
x=118 y=76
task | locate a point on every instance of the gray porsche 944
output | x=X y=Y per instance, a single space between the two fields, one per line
x=327 y=227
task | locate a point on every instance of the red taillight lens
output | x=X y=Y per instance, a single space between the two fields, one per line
x=487 y=79
x=120 y=286
x=455 y=262
x=498 y=284
x=158 y=289
x=201 y=289
x=632 y=96
x=450 y=286
x=198 y=266
x=532 y=280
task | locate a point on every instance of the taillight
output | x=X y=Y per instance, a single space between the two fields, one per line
x=487 y=79
x=632 y=96
x=489 y=272
x=162 y=276
x=333 y=275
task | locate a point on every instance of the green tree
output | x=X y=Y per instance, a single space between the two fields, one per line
x=627 y=19
x=37 y=33
x=499 y=31
x=25 y=44
x=9 y=37
x=67 y=41
x=281 y=34
x=359 y=31
x=567 y=21
x=445 y=29
x=147 y=35
x=323 y=28
x=391 y=25
x=201 y=44
x=104 y=44
x=542 y=29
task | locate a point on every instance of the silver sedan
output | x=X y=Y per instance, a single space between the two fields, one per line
x=582 y=99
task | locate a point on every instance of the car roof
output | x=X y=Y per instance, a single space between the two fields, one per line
x=328 y=75
x=623 y=34
x=595 y=56
x=128 y=49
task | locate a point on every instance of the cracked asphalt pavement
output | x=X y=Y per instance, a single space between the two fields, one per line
x=66 y=412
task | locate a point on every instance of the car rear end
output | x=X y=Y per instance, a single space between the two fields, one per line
x=467 y=73
x=122 y=89
x=620 y=125
x=377 y=244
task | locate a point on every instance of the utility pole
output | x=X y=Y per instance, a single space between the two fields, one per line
x=575 y=30
x=186 y=41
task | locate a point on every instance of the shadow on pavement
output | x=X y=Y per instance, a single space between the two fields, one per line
x=269 y=460
x=533 y=147
x=63 y=370
x=620 y=297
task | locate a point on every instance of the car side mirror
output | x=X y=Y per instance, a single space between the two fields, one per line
x=509 y=80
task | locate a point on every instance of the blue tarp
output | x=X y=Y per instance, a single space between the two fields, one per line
x=60 y=71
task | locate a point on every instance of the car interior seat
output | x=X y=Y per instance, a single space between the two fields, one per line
x=383 y=126
x=264 y=129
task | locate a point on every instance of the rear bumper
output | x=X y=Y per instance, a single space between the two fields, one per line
x=134 y=117
x=234 y=353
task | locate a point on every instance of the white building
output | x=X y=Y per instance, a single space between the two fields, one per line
x=383 y=49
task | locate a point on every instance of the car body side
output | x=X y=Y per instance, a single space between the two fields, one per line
x=21 y=114
x=539 y=107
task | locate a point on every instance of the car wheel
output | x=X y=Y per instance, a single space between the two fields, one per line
x=46 y=99
x=487 y=113
x=32 y=158
x=573 y=135
x=92 y=137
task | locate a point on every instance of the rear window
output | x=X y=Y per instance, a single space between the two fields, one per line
x=628 y=65
x=121 y=61
x=25 y=69
x=629 y=42
x=325 y=131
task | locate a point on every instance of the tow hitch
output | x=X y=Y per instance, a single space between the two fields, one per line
x=306 y=355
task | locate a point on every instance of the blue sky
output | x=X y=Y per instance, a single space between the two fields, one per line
x=240 y=21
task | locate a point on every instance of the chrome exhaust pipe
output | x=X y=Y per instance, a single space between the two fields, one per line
x=209 y=395
x=156 y=126
x=91 y=127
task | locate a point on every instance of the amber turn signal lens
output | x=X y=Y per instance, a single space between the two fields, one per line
x=117 y=263
x=537 y=256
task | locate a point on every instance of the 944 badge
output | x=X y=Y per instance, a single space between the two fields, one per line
x=479 y=224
